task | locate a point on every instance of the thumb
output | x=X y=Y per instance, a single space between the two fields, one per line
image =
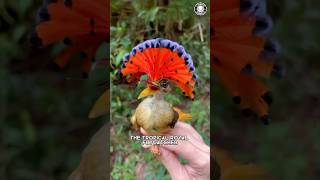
x=172 y=164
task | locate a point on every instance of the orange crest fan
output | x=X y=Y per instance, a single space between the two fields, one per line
x=160 y=59
x=241 y=54
x=81 y=24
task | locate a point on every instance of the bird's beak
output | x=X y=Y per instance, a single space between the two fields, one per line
x=147 y=92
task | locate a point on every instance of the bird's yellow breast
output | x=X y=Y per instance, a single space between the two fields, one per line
x=154 y=115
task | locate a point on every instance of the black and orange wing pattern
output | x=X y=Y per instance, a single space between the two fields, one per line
x=241 y=54
x=81 y=24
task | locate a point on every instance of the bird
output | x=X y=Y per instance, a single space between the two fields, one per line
x=80 y=24
x=154 y=114
x=166 y=64
x=242 y=55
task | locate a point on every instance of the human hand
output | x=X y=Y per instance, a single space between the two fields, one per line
x=194 y=150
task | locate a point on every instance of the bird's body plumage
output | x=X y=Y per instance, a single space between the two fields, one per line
x=155 y=115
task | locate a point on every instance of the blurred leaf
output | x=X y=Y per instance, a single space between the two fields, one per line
x=22 y=6
x=94 y=161
x=149 y=15
x=101 y=106
x=29 y=130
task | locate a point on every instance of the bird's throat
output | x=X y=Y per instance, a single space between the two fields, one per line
x=159 y=95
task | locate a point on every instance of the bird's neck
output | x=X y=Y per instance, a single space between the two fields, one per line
x=159 y=95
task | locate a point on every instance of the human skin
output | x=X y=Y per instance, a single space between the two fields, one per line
x=194 y=150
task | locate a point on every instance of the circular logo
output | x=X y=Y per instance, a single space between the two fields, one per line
x=200 y=8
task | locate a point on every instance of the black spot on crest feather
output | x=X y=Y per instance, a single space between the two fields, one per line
x=68 y=3
x=267 y=97
x=266 y=119
x=43 y=15
x=67 y=41
x=236 y=99
x=35 y=40
x=247 y=112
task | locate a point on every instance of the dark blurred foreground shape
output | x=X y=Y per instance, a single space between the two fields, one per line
x=43 y=115
x=94 y=163
x=288 y=148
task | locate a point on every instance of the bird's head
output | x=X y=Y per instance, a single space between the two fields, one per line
x=154 y=87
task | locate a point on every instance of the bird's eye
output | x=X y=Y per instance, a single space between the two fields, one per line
x=164 y=83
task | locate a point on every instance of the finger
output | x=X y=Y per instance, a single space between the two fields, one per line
x=172 y=164
x=182 y=129
x=192 y=135
x=146 y=146
x=195 y=152
x=194 y=149
x=185 y=129
x=143 y=131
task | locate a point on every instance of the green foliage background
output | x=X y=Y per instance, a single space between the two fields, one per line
x=133 y=22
